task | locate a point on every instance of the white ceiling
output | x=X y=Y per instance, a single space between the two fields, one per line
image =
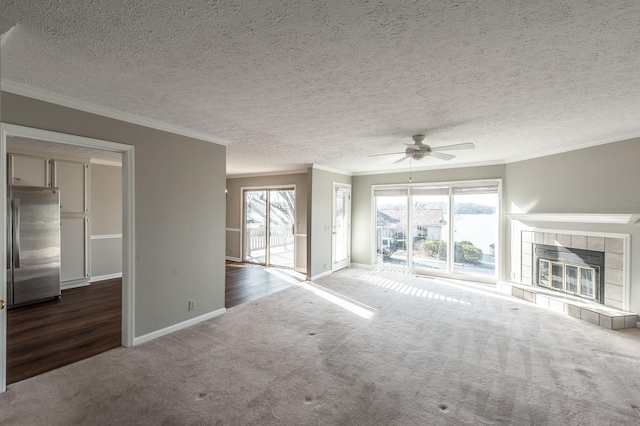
x=294 y=82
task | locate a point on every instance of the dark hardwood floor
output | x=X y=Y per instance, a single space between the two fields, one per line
x=246 y=282
x=84 y=322
x=88 y=320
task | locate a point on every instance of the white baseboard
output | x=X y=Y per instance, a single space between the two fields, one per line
x=233 y=259
x=188 y=323
x=105 y=277
x=324 y=274
x=73 y=284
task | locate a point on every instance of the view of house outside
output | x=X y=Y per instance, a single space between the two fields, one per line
x=475 y=224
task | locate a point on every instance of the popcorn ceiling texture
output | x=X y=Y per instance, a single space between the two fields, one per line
x=295 y=82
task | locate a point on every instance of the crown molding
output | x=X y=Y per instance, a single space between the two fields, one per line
x=604 y=141
x=272 y=173
x=69 y=102
x=430 y=168
x=330 y=169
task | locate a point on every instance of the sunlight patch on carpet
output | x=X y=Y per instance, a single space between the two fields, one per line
x=337 y=299
x=408 y=289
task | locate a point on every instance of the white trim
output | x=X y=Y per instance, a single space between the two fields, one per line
x=233 y=259
x=176 y=327
x=99 y=278
x=32 y=133
x=74 y=284
x=607 y=218
x=320 y=275
x=102 y=162
x=233 y=229
x=428 y=168
x=128 y=247
x=67 y=101
x=272 y=173
x=330 y=169
x=105 y=236
x=611 y=139
x=3 y=260
x=301 y=235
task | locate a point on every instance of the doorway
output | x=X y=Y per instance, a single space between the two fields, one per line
x=269 y=226
x=341 y=233
x=127 y=152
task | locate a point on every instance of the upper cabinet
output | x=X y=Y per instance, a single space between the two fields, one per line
x=25 y=170
x=71 y=176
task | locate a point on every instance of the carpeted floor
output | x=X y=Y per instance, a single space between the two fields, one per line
x=395 y=349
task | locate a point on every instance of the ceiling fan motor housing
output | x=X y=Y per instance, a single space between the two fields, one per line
x=417 y=154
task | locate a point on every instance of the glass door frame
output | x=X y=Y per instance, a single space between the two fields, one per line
x=243 y=229
x=337 y=264
x=449 y=273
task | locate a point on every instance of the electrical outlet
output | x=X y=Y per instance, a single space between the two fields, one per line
x=192 y=305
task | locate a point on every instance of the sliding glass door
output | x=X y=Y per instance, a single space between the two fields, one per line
x=430 y=226
x=269 y=226
x=391 y=226
x=475 y=230
x=415 y=225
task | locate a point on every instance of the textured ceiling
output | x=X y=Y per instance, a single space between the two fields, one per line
x=294 y=82
x=27 y=146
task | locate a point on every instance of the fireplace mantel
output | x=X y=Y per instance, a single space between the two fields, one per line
x=606 y=218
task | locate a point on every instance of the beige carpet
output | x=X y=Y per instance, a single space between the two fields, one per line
x=429 y=353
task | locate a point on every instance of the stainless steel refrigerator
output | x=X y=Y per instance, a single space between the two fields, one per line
x=33 y=244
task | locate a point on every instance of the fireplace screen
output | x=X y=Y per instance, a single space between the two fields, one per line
x=572 y=279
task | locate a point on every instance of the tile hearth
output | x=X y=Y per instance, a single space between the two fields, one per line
x=604 y=316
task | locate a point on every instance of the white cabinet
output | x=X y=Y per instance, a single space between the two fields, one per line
x=25 y=170
x=71 y=178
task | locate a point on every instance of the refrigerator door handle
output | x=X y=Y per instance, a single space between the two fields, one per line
x=16 y=230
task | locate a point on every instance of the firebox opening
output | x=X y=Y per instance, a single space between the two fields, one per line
x=573 y=271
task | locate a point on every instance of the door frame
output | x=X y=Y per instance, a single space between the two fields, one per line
x=243 y=223
x=337 y=265
x=128 y=225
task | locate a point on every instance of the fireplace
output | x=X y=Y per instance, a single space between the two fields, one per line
x=570 y=270
x=573 y=259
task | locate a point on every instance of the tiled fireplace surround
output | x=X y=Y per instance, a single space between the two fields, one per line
x=610 y=314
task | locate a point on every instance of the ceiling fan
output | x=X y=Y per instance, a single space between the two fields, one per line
x=418 y=150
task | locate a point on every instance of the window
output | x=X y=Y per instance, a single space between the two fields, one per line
x=415 y=225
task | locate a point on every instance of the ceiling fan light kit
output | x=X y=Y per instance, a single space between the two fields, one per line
x=418 y=150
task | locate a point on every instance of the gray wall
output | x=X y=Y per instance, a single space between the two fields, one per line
x=180 y=210
x=234 y=210
x=601 y=179
x=319 y=249
x=361 y=204
x=106 y=220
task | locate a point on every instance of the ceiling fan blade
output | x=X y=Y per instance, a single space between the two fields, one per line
x=442 y=155
x=388 y=153
x=402 y=159
x=468 y=145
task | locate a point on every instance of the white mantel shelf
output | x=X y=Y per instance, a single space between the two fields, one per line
x=608 y=218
